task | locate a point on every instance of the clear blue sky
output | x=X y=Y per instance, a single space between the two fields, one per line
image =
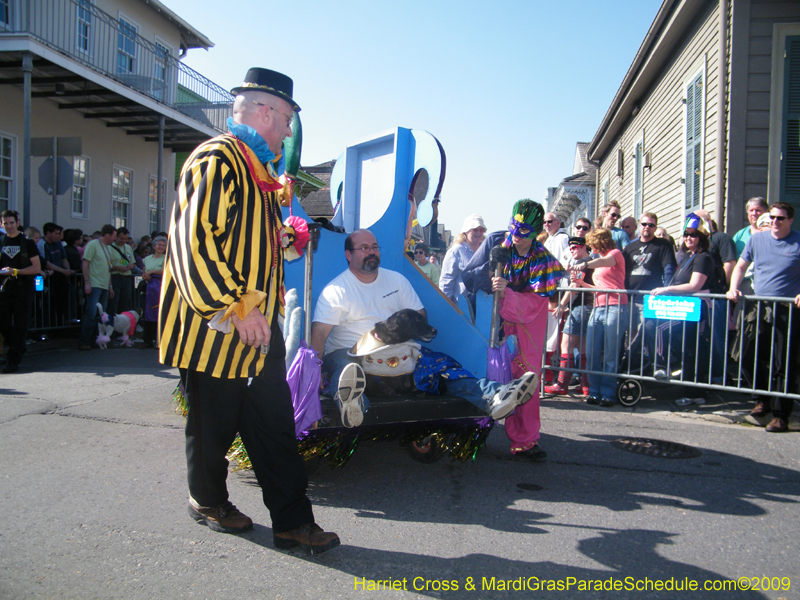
x=508 y=88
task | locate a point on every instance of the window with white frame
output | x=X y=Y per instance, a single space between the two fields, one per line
x=121 y=186
x=155 y=209
x=83 y=35
x=638 y=178
x=126 y=47
x=694 y=143
x=6 y=171
x=80 y=187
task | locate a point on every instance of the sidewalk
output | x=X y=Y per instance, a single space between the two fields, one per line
x=661 y=399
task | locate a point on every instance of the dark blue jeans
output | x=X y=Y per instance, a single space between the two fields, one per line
x=479 y=392
x=90 y=318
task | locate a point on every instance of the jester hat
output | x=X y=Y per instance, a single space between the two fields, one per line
x=695 y=222
x=527 y=219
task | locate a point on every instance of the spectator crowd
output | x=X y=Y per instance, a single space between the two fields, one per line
x=105 y=272
x=588 y=327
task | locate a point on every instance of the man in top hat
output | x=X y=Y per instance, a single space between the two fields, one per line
x=220 y=301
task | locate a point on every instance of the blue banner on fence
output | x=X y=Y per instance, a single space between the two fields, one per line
x=677 y=308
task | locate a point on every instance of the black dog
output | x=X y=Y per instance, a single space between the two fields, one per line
x=405 y=325
x=402 y=326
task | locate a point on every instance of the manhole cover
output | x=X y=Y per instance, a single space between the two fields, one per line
x=530 y=487
x=657 y=448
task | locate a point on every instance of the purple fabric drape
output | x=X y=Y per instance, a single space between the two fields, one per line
x=304 y=378
x=152 y=298
x=498 y=366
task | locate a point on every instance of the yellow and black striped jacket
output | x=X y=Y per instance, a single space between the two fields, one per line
x=223 y=242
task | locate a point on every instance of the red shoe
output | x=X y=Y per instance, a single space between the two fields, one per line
x=555 y=389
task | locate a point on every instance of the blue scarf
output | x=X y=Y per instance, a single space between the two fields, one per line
x=258 y=145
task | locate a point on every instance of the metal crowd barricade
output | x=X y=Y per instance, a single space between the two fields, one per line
x=59 y=304
x=753 y=353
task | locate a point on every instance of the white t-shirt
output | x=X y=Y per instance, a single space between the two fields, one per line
x=353 y=307
x=558 y=245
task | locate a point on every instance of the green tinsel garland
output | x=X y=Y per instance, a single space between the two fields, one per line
x=461 y=438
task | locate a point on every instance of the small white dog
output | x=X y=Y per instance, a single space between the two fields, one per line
x=123 y=323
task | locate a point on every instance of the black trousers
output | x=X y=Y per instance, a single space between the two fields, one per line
x=262 y=414
x=16 y=302
x=123 y=294
x=775 y=356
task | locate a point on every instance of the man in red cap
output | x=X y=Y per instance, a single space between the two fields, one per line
x=220 y=301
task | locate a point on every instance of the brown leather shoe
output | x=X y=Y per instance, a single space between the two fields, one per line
x=310 y=538
x=224 y=518
x=761 y=409
x=778 y=425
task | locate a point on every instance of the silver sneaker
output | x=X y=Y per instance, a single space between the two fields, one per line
x=514 y=394
x=350 y=392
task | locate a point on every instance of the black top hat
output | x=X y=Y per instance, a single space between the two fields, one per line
x=271 y=82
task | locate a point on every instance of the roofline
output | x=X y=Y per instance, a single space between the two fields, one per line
x=610 y=123
x=202 y=40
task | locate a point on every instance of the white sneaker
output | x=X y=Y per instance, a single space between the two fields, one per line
x=512 y=395
x=660 y=374
x=350 y=392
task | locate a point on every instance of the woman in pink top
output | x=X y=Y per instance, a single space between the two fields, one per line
x=609 y=319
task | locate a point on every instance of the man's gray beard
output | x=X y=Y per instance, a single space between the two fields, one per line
x=371 y=264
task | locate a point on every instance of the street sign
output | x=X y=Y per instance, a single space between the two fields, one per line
x=64 y=175
x=677 y=308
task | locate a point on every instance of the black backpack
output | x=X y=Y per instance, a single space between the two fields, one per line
x=719 y=283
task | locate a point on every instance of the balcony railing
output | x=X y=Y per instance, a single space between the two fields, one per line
x=112 y=47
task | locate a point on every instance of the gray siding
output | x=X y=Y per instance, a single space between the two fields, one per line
x=661 y=121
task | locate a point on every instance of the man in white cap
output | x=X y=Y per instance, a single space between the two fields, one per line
x=466 y=243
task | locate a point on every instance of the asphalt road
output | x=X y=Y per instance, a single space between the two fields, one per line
x=93 y=500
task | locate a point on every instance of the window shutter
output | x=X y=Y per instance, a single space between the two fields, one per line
x=694 y=143
x=637 y=186
x=790 y=147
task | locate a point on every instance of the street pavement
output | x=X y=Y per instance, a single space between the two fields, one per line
x=94 y=502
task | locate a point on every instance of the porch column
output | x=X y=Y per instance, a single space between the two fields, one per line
x=159 y=193
x=27 y=71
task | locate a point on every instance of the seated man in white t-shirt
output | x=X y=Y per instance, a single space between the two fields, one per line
x=364 y=295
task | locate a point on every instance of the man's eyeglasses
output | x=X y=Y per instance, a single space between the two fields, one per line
x=288 y=118
x=550 y=221
x=419 y=252
x=647 y=224
x=365 y=248
x=582 y=227
x=615 y=215
x=776 y=218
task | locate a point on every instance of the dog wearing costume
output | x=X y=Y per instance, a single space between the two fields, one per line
x=123 y=323
x=389 y=354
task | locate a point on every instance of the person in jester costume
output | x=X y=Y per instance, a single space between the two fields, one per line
x=221 y=297
x=530 y=274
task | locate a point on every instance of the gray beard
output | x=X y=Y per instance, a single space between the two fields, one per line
x=371 y=264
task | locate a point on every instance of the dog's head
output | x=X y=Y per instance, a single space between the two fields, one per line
x=405 y=325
